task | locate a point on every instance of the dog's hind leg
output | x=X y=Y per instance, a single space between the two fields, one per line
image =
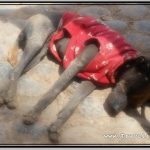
x=84 y=89
x=75 y=66
x=38 y=57
x=61 y=46
x=34 y=34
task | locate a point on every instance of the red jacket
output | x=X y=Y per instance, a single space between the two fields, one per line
x=113 y=50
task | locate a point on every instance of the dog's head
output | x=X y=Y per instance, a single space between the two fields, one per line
x=133 y=86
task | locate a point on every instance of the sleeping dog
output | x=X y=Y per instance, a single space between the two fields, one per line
x=88 y=49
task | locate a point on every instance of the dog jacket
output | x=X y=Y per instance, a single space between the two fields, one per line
x=113 y=49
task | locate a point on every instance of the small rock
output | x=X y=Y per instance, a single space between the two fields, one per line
x=142 y=26
x=118 y=25
x=133 y=12
x=95 y=11
x=140 y=42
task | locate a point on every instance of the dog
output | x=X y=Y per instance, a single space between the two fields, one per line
x=79 y=43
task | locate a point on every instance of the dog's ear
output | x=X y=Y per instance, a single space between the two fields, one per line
x=116 y=100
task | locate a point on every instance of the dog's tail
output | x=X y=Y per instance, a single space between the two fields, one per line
x=13 y=54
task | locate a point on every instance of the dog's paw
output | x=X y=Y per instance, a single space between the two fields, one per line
x=53 y=136
x=30 y=118
x=53 y=133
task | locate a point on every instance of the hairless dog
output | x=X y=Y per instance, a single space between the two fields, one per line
x=132 y=77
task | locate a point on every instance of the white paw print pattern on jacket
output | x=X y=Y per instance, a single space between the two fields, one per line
x=90 y=34
x=93 y=76
x=109 y=46
x=54 y=47
x=106 y=71
x=77 y=49
x=65 y=58
x=105 y=62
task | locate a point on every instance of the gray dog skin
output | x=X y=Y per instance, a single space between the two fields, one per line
x=34 y=39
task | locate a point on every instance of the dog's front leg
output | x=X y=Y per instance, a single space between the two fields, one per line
x=34 y=36
x=78 y=64
x=117 y=99
x=84 y=89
